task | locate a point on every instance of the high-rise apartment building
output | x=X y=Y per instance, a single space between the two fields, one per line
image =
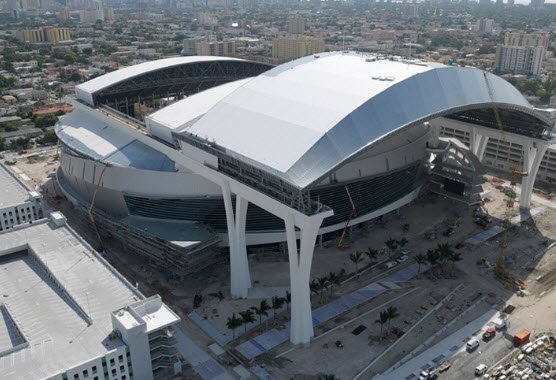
x=288 y=48
x=484 y=25
x=296 y=24
x=537 y=4
x=218 y=48
x=522 y=52
x=52 y=35
x=64 y=14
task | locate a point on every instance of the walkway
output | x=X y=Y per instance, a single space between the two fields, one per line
x=202 y=363
x=272 y=338
x=493 y=231
x=439 y=352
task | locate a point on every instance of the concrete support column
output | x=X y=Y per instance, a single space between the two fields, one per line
x=478 y=143
x=240 y=278
x=301 y=326
x=533 y=152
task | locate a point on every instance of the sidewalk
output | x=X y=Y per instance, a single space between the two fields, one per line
x=202 y=363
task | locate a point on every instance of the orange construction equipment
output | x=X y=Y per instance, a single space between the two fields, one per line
x=522 y=337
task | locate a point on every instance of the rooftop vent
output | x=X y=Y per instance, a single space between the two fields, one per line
x=383 y=78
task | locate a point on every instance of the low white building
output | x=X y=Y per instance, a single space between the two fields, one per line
x=18 y=205
x=66 y=314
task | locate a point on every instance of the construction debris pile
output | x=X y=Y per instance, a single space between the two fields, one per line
x=534 y=360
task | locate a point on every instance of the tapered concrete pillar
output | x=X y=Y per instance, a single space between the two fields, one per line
x=477 y=143
x=300 y=258
x=240 y=278
x=533 y=152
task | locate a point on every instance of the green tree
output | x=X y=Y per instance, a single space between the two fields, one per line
x=288 y=299
x=356 y=258
x=392 y=313
x=247 y=317
x=402 y=242
x=333 y=279
x=262 y=310
x=382 y=319
x=233 y=323
x=420 y=259
x=2 y=143
x=391 y=244
x=277 y=303
x=371 y=253
x=314 y=286
x=323 y=286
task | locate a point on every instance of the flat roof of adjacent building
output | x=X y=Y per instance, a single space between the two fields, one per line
x=36 y=260
x=12 y=191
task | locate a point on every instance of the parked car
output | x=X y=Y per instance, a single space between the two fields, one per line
x=391 y=264
x=480 y=370
x=402 y=258
x=489 y=334
x=406 y=252
x=472 y=345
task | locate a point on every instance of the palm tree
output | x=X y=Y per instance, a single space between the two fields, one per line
x=432 y=258
x=247 y=317
x=371 y=253
x=333 y=279
x=444 y=252
x=392 y=244
x=233 y=323
x=402 y=242
x=383 y=318
x=356 y=258
x=392 y=313
x=314 y=286
x=277 y=303
x=261 y=310
x=420 y=259
x=288 y=299
x=323 y=285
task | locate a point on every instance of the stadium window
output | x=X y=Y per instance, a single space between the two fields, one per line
x=86 y=373
x=94 y=369
x=121 y=358
x=112 y=362
x=114 y=372
x=76 y=376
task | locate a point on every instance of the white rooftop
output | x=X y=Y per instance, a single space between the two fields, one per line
x=59 y=336
x=86 y=90
x=12 y=191
x=151 y=311
x=182 y=113
x=302 y=119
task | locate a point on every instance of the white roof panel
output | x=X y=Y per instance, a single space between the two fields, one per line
x=177 y=115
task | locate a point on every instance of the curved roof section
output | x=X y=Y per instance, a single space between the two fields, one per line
x=92 y=138
x=303 y=119
x=85 y=90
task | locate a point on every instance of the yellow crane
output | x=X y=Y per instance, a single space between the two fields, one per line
x=500 y=270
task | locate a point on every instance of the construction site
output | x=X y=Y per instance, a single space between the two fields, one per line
x=433 y=303
x=381 y=253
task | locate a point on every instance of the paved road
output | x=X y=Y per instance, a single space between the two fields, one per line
x=464 y=363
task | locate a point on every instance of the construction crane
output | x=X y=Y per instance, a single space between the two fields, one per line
x=500 y=270
x=342 y=244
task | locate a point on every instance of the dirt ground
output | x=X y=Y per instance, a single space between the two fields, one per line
x=530 y=246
